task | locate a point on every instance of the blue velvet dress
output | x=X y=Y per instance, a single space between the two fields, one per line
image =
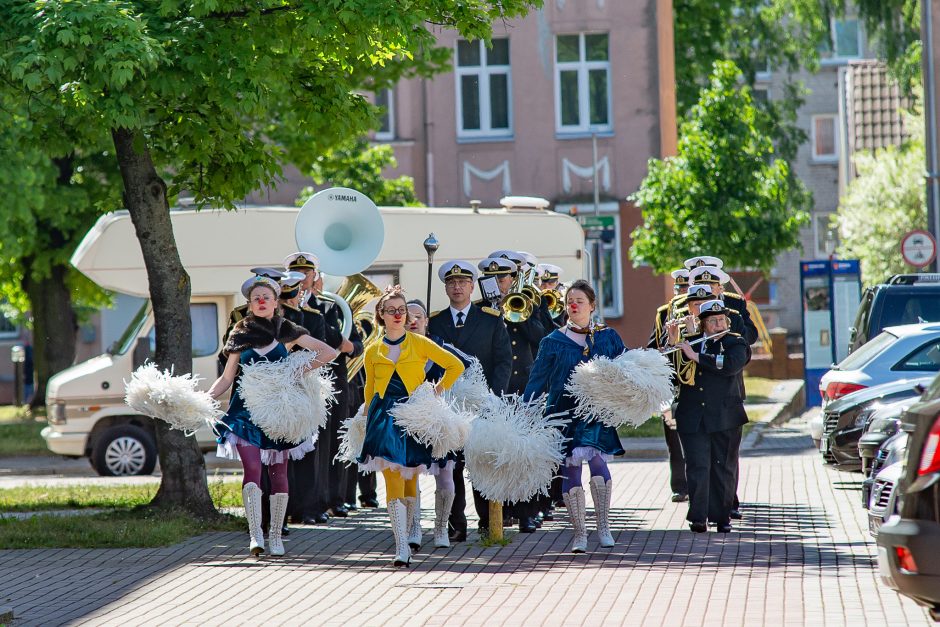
x=557 y=358
x=386 y=445
x=237 y=420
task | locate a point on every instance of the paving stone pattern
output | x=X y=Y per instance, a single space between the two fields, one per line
x=802 y=555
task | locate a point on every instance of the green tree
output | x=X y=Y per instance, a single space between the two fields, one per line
x=885 y=200
x=214 y=96
x=359 y=165
x=724 y=193
x=57 y=201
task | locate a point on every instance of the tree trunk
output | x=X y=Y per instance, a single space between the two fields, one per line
x=54 y=327
x=183 y=484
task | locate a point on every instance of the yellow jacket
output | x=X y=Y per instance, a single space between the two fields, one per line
x=416 y=350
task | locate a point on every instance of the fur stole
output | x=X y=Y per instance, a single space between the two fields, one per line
x=253 y=332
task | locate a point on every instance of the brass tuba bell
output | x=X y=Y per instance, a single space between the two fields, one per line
x=516 y=305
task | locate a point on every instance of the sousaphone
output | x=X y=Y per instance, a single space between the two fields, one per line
x=345 y=230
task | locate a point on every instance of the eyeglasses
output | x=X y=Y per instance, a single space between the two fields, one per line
x=400 y=311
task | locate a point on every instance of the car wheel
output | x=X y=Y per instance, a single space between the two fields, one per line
x=123 y=451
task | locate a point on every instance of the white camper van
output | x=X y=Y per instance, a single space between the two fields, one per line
x=86 y=411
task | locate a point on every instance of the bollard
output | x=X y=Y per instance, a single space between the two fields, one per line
x=496 y=520
x=18 y=357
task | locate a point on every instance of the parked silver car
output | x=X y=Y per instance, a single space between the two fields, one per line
x=884 y=496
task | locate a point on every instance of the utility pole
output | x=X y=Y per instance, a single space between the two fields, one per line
x=930 y=14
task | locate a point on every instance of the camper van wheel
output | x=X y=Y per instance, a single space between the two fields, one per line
x=124 y=450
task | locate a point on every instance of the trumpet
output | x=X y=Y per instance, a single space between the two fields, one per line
x=517 y=306
x=555 y=300
x=704 y=338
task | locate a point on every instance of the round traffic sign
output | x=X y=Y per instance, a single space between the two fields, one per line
x=918 y=248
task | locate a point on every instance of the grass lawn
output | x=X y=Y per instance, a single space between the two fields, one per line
x=22 y=438
x=652 y=428
x=760 y=390
x=117 y=529
x=42 y=498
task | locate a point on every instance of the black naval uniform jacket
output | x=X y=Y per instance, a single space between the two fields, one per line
x=484 y=336
x=524 y=339
x=737 y=303
x=714 y=399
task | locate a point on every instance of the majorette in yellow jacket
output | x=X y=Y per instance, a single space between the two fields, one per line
x=416 y=350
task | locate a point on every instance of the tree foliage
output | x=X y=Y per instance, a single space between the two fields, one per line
x=213 y=97
x=725 y=193
x=886 y=200
x=359 y=165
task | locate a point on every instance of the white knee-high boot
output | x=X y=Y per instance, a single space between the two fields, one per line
x=600 y=491
x=398 y=514
x=413 y=513
x=443 y=501
x=574 y=501
x=278 y=511
x=251 y=496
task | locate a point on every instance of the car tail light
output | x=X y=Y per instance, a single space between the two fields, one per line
x=837 y=390
x=906 y=559
x=930 y=456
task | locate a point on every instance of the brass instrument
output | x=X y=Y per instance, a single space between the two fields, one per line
x=516 y=306
x=344 y=228
x=672 y=349
x=529 y=288
x=555 y=301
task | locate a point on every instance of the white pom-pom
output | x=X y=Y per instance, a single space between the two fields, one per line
x=352 y=434
x=471 y=389
x=287 y=399
x=433 y=421
x=628 y=389
x=513 y=451
x=173 y=399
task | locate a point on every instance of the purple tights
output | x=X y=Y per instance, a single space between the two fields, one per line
x=571 y=475
x=251 y=463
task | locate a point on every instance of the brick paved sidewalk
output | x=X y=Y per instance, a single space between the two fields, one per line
x=801 y=555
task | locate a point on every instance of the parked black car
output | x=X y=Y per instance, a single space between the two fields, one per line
x=844 y=420
x=903 y=299
x=908 y=544
x=882 y=423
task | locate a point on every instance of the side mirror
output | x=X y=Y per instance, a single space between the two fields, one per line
x=141 y=352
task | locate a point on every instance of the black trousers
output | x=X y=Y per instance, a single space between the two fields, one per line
x=736 y=464
x=367 y=485
x=457 y=521
x=340 y=475
x=709 y=471
x=677 y=482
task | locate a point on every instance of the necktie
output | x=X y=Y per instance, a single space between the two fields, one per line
x=459 y=319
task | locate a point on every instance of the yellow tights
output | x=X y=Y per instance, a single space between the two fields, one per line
x=397 y=487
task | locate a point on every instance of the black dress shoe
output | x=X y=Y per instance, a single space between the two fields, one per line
x=538 y=522
x=548 y=515
x=317 y=519
x=679 y=497
x=285 y=530
x=723 y=527
x=368 y=502
x=527 y=525
x=351 y=507
x=735 y=514
x=698 y=527
x=458 y=536
x=340 y=511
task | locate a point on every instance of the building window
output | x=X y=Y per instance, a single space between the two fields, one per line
x=845 y=40
x=582 y=83
x=825 y=235
x=823 y=138
x=484 y=89
x=385 y=98
x=760 y=94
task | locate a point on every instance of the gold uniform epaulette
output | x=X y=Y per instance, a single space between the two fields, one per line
x=732 y=296
x=434 y=313
x=664 y=308
x=311 y=309
x=238 y=313
x=289 y=306
x=490 y=311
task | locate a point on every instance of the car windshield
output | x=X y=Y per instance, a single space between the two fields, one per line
x=123 y=343
x=867 y=352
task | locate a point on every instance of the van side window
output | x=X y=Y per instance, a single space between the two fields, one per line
x=205 y=320
x=910 y=309
x=926 y=358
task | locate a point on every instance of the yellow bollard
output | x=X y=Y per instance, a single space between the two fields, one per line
x=496 y=520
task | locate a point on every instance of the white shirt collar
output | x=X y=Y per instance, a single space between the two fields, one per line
x=465 y=311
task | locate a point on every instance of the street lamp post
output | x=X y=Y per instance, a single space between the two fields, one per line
x=430 y=246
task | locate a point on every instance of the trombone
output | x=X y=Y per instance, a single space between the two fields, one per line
x=517 y=306
x=555 y=301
